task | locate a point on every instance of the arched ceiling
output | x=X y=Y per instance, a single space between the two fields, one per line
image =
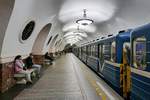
x=98 y=10
x=109 y=16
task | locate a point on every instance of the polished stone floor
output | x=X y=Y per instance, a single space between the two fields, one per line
x=68 y=79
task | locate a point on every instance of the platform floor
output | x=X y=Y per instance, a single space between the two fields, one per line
x=68 y=79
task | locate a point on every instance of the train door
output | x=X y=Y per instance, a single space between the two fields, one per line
x=86 y=53
x=99 y=56
x=140 y=71
x=106 y=52
x=96 y=51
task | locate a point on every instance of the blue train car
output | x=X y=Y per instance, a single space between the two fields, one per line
x=123 y=61
x=111 y=58
x=106 y=56
x=140 y=63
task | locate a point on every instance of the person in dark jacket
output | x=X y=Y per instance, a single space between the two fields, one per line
x=30 y=64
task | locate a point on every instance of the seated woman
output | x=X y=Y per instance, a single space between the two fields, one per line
x=30 y=64
x=19 y=65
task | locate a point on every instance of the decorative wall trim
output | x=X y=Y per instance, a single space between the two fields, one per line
x=9 y=59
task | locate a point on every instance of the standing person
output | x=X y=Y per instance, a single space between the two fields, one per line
x=128 y=53
x=30 y=64
x=19 y=65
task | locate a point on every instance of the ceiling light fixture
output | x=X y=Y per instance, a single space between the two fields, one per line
x=79 y=32
x=73 y=37
x=84 y=20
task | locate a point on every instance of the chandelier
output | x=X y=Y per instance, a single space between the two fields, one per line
x=84 y=20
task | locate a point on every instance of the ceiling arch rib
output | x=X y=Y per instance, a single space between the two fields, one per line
x=6 y=9
x=54 y=39
x=40 y=40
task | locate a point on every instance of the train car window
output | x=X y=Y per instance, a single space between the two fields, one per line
x=139 y=53
x=93 y=47
x=96 y=50
x=113 y=52
x=107 y=51
x=89 y=50
x=84 y=49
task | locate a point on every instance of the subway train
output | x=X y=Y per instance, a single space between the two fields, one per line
x=123 y=61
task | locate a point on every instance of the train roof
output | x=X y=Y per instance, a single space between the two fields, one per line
x=140 y=31
x=122 y=35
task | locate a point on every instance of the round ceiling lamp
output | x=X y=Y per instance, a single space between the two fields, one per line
x=84 y=20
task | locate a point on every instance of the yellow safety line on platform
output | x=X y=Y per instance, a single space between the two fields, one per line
x=99 y=91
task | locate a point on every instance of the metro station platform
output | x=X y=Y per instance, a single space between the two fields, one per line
x=68 y=79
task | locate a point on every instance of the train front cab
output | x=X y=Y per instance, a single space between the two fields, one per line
x=140 y=63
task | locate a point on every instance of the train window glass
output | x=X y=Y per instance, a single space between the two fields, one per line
x=89 y=49
x=93 y=50
x=107 y=51
x=85 y=50
x=139 y=53
x=96 y=50
x=113 y=52
x=82 y=50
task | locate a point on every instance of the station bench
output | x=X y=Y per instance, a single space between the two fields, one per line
x=47 y=62
x=20 y=77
